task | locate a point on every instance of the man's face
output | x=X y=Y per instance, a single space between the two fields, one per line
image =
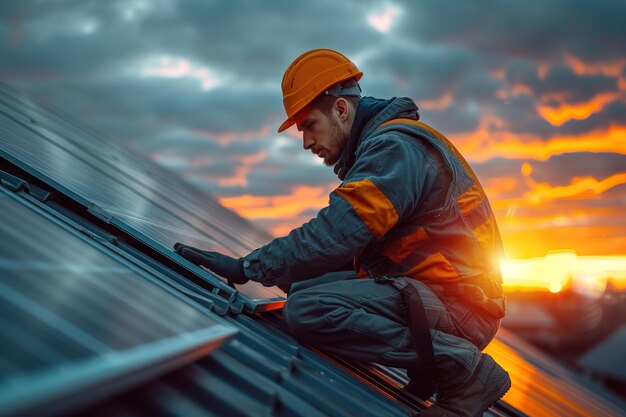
x=321 y=134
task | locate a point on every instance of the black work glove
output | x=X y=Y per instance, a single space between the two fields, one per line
x=225 y=266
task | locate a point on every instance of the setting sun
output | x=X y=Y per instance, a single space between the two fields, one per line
x=556 y=271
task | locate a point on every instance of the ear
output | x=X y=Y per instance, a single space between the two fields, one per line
x=342 y=108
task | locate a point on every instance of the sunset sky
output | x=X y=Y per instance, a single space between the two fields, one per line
x=532 y=93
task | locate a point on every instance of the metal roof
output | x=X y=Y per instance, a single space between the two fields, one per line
x=75 y=316
x=261 y=371
x=608 y=358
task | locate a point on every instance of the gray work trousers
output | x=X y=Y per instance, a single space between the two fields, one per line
x=361 y=319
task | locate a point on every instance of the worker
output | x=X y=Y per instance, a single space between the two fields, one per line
x=425 y=291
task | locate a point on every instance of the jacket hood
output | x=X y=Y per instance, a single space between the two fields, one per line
x=371 y=113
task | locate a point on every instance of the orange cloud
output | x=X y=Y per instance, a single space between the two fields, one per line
x=482 y=144
x=513 y=91
x=527 y=169
x=542 y=69
x=579 y=188
x=532 y=241
x=539 y=194
x=611 y=69
x=498 y=74
x=252 y=159
x=278 y=207
x=542 y=218
x=499 y=185
x=564 y=111
x=224 y=138
x=239 y=178
x=547 y=217
x=440 y=103
x=519 y=89
x=556 y=116
x=242 y=166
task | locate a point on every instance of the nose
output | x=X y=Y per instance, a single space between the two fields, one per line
x=307 y=140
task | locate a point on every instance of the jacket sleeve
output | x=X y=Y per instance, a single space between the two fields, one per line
x=383 y=187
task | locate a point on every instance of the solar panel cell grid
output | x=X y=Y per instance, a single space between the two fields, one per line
x=73 y=301
x=137 y=197
x=106 y=155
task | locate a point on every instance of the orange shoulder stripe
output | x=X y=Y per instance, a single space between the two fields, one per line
x=371 y=204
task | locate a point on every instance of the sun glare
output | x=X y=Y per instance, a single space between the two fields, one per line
x=564 y=269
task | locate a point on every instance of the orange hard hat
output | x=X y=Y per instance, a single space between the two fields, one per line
x=310 y=75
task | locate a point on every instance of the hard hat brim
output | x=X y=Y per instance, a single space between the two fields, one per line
x=286 y=125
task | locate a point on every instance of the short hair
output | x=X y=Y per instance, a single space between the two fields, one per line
x=348 y=90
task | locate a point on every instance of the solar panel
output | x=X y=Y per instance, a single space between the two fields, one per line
x=120 y=159
x=137 y=196
x=74 y=315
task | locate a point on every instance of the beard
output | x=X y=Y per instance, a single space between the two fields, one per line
x=340 y=139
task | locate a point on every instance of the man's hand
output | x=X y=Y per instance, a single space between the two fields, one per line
x=225 y=266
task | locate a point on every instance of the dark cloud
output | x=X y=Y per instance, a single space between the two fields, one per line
x=498 y=167
x=521 y=71
x=458 y=60
x=279 y=179
x=451 y=120
x=90 y=50
x=590 y=30
x=219 y=110
x=272 y=32
x=433 y=75
x=264 y=179
x=275 y=170
x=108 y=41
x=575 y=88
x=68 y=39
x=561 y=169
x=151 y=103
x=420 y=72
x=253 y=39
x=477 y=86
x=559 y=80
x=519 y=115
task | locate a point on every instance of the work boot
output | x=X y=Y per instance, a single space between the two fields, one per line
x=420 y=384
x=420 y=391
x=488 y=384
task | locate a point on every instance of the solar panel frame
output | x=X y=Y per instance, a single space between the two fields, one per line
x=103 y=205
x=49 y=382
x=134 y=256
x=29 y=112
x=113 y=194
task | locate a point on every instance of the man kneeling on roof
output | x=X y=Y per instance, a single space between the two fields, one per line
x=425 y=293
